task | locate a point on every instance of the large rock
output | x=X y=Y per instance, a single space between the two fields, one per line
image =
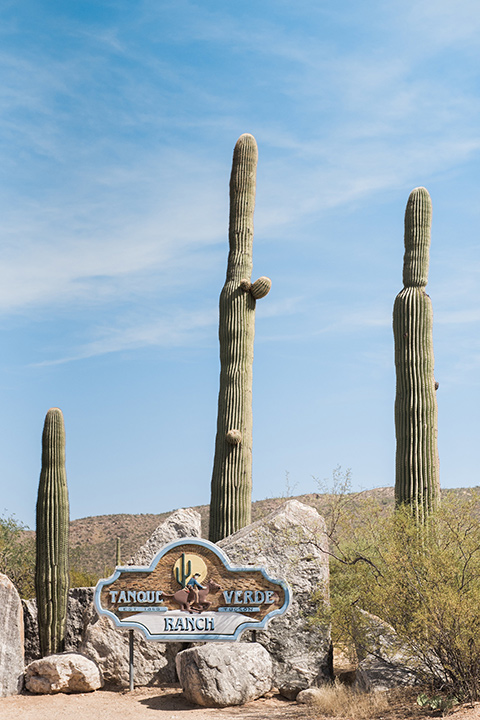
x=219 y=675
x=289 y=543
x=108 y=646
x=79 y=610
x=67 y=673
x=180 y=524
x=11 y=639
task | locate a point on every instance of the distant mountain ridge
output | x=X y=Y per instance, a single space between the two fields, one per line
x=93 y=539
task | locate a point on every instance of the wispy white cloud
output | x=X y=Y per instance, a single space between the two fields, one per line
x=177 y=329
x=121 y=214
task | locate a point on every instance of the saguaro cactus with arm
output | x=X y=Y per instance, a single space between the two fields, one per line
x=231 y=493
x=417 y=467
x=51 y=575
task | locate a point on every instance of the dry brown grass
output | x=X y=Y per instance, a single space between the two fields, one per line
x=340 y=701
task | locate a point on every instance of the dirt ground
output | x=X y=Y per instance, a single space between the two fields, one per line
x=141 y=704
x=169 y=703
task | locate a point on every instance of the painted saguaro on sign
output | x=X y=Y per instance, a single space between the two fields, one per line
x=191 y=593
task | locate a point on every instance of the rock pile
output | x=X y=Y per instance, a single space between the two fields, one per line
x=290 y=544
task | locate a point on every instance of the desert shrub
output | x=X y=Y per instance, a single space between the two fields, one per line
x=79 y=577
x=17 y=555
x=423 y=581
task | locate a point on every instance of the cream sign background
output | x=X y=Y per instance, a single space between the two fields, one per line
x=190 y=592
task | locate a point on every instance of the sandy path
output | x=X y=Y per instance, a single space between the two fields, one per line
x=141 y=704
x=169 y=704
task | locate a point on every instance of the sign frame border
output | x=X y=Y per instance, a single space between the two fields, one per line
x=192 y=637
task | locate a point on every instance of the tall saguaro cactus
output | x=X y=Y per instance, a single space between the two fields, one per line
x=231 y=493
x=51 y=575
x=417 y=467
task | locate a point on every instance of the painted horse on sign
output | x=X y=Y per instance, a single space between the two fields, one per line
x=192 y=601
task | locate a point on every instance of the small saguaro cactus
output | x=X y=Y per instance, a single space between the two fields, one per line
x=51 y=573
x=417 y=468
x=183 y=572
x=231 y=491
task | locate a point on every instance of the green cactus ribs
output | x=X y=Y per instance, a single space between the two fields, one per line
x=231 y=489
x=183 y=572
x=416 y=466
x=51 y=572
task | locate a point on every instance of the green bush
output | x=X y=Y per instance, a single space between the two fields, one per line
x=423 y=581
x=17 y=555
x=79 y=577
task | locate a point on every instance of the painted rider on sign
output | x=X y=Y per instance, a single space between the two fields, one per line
x=195 y=586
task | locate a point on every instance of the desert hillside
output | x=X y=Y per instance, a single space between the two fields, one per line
x=93 y=539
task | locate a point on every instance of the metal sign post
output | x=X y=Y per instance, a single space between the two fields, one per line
x=130 y=659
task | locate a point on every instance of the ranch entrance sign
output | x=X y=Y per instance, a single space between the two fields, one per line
x=191 y=593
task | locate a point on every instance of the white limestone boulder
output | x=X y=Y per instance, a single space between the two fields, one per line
x=224 y=674
x=11 y=639
x=66 y=673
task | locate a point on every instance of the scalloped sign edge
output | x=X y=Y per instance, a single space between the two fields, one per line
x=188 y=626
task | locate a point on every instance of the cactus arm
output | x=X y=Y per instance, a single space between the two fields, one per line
x=416 y=465
x=51 y=572
x=231 y=489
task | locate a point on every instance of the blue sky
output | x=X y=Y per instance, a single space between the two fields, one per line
x=117 y=127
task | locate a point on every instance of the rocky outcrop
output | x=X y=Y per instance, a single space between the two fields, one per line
x=289 y=543
x=11 y=639
x=66 y=672
x=180 y=524
x=224 y=674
